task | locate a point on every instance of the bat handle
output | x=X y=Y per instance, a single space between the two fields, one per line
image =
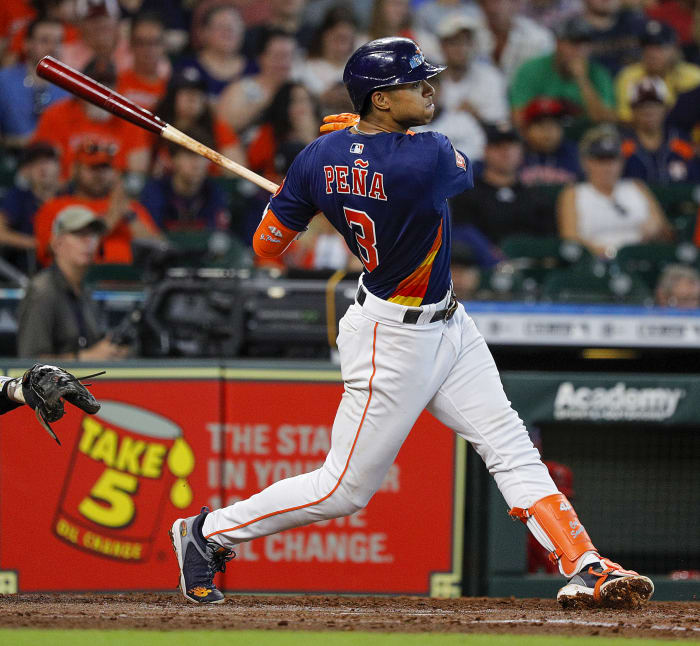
x=177 y=136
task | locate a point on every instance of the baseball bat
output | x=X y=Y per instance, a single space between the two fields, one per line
x=90 y=90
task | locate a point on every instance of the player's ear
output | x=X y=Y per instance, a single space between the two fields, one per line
x=380 y=100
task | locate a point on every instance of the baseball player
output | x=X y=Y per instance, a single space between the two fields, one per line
x=405 y=344
x=44 y=388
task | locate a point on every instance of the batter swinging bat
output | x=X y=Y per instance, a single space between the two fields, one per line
x=90 y=90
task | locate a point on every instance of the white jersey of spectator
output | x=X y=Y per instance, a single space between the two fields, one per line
x=319 y=75
x=430 y=14
x=462 y=129
x=612 y=221
x=330 y=252
x=483 y=86
x=526 y=40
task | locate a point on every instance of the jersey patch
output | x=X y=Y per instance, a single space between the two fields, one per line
x=357 y=148
x=459 y=160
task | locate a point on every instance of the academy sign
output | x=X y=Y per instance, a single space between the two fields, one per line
x=619 y=403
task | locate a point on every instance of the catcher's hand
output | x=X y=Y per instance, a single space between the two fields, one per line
x=45 y=387
x=340 y=121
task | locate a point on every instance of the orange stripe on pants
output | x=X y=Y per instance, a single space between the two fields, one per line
x=340 y=478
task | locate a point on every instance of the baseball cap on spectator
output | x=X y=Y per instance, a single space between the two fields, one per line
x=35 y=151
x=648 y=90
x=76 y=218
x=575 y=29
x=85 y=9
x=452 y=25
x=601 y=142
x=658 y=33
x=500 y=133
x=93 y=153
x=188 y=77
x=102 y=71
x=544 y=107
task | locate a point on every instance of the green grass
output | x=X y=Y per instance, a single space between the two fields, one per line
x=26 y=637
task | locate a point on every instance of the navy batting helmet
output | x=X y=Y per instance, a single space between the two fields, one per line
x=383 y=63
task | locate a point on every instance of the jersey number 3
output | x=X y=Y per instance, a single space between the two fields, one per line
x=363 y=227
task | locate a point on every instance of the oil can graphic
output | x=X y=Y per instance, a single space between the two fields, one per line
x=128 y=465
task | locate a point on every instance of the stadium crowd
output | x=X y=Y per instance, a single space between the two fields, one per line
x=581 y=117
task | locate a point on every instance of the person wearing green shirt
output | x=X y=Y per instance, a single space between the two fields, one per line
x=568 y=75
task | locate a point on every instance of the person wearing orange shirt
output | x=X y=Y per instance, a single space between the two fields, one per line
x=144 y=83
x=68 y=123
x=98 y=186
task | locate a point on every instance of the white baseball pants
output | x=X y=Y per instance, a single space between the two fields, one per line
x=392 y=371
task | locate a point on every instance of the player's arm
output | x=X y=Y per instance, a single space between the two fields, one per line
x=453 y=170
x=272 y=237
x=289 y=211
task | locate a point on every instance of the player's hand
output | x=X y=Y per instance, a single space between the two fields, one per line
x=340 y=121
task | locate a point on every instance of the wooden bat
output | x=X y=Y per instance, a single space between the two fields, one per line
x=90 y=90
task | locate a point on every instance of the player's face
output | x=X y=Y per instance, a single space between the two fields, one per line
x=412 y=104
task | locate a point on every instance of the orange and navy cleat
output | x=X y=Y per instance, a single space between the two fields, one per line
x=199 y=559
x=606 y=585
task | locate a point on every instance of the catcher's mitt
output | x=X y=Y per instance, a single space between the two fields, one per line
x=45 y=387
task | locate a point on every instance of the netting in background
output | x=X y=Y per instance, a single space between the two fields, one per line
x=636 y=490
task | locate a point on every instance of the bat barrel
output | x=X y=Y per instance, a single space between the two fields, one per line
x=86 y=88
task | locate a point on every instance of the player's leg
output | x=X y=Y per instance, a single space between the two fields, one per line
x=382 y=399
x=472 y=402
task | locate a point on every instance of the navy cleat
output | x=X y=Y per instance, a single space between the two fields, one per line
x=199 y=559
x=605 y=585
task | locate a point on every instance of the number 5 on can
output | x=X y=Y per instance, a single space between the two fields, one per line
x=363 y=227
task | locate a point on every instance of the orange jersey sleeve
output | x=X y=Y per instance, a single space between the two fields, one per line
x=272 y=238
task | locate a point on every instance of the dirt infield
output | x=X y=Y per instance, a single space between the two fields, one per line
x=165 y=611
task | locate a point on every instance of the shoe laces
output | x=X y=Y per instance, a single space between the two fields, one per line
x=218 y=558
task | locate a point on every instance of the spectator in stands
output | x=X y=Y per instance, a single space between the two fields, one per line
x=511 y=38
x=654 y=154
x=97 y=185
x=185 y=106
x=57 y=317
x=37 y=181
x=322 y=73
x=145 y=82
x=462 y=128
x=315 y=11
x=23 y=95
x=186 y=199
x=71 y=121
x=661 y=57
x=550 y=158
x=14 y=16
x=100 y=37
x=62 y=11
x=474 y=86
x=244 y=100
x=395 y=18
x=685 y=115
x=678 y=14
x=550 y=13
x=499 y=205
x=291 y=118
x=568 y=75
x=606 y=212
x=286 y=16
x=218 y=42
x=431 y=13
x=616 y=33
x=465 y=272
x=678 y=286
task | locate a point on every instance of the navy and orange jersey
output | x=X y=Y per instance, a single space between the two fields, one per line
x=387 y=196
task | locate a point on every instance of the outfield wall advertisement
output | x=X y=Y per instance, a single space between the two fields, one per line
x=93 y=513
